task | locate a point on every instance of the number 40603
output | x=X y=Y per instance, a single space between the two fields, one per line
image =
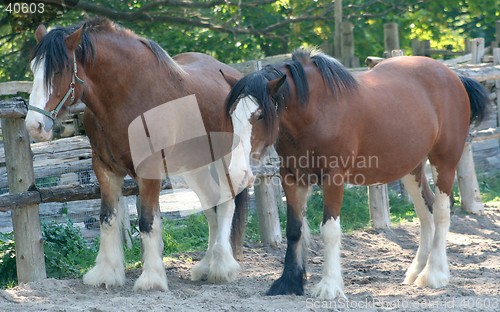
x=26 y=8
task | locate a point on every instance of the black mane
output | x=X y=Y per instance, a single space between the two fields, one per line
x=53 y=51
x=335 y=75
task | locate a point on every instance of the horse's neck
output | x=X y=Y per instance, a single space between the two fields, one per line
x=122 y=85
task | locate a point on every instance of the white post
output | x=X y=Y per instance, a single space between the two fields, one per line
x=466 y=173
x=467 y=182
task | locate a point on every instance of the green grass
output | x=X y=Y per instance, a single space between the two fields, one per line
x=490 y=188
x=355 y=213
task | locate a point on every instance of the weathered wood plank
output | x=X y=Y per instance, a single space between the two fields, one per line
x=483 y=135
x=62 y=194
x=15 y=108
x=13 y=87
x=479 y=73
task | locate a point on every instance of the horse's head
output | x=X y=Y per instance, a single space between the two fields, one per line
x=56 y=78
x=254 y=104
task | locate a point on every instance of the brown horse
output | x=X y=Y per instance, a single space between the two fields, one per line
x=331 y=128
x=121 y=77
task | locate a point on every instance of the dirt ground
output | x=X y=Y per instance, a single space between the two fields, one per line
x=373 y=262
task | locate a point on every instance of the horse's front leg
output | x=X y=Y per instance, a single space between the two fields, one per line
x=109 y=269
x=297 y=233
x=153 y=271
x=331 y=284
x=218 y=265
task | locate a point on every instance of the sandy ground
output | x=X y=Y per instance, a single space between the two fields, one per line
x=374 y=263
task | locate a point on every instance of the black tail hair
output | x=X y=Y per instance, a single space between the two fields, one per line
x=478 y=97
x=239 y=223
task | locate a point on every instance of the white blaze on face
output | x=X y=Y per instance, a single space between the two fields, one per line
x=39 y=126
x=241 y=123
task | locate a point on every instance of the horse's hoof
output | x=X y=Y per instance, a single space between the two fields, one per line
x=433 y=278
x=223 y=268
x=199 y=272
x=107 y=276
x=329 y=289
x=151 y=280
x=286 y=286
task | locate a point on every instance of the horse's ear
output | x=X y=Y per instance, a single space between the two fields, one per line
x=275 y=85
x=229 y=79
x=73 y=40
x=40 y=32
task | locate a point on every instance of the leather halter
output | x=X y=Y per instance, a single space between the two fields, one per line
x=71 y=93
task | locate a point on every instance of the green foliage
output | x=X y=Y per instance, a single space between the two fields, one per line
x=402 y=210
x=187 y=234
x=66 y=253
x=234 y=31
x=490 y=188
x=7 y=260
x=252 y=230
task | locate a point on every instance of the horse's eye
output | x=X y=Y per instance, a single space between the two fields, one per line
x=258 y=114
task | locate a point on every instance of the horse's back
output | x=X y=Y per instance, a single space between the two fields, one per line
x=193 y=62
x=414 y=101
x=418 y=81
x=209 y=85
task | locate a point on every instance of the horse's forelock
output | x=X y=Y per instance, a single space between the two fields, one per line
x=256 y=85
x=53 y=52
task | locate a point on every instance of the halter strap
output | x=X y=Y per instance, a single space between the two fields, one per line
x=71 y=93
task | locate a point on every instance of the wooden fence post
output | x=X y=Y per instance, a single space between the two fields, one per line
x=267 y=208
x=466 y=173
x=378 y=198
x=337 y=43
x=477 y=50
x=347 y=50
x=30 y=259
x=497 y=42
x=391 y=38
x=496 y=61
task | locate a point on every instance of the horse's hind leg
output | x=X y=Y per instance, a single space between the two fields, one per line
x=153 y=271
x=109 y=269
x=436 y=272
x=418 y=187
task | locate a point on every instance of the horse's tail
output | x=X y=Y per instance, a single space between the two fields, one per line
x=239 y=223
x=478 y=97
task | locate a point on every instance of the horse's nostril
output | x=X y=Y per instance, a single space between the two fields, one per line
x=40 y=126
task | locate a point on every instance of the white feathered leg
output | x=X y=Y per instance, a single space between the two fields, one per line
x=331 y=285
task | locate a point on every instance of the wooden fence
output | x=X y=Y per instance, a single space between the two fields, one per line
x=23 y=201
